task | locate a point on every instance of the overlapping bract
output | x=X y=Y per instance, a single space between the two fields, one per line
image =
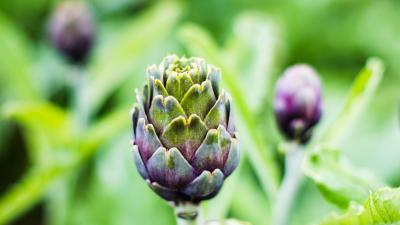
x=184 y=135
x=298 y=102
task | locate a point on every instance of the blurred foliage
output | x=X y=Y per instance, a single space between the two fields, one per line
x=382 y=207
x=333 y=173
x=338 y=181
x=54 y=171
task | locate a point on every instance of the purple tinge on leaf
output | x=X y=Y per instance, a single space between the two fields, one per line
x=184 y=134
x=298 y=102
x=72 y=30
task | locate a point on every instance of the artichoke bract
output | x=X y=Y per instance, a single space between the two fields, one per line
x=298 y=102
x=184 y=136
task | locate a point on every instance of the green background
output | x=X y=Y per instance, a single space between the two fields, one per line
x=92 y=179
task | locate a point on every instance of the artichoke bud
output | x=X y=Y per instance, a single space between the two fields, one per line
x=184 y=135
x=72 y=30
x=298 y=102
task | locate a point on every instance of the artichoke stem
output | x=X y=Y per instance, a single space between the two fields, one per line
x=291 y=183
x=80 y=98
x=186 y=213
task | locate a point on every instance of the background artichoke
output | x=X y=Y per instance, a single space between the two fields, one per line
x=298 y=102
x=184 y=135
x=72 y=30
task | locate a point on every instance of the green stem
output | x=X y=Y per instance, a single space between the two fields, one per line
x=187 y=214
x=80 y=98
x=291 y=183
x=80 y=110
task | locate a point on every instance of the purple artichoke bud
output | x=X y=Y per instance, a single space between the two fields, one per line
x=298 y=103
x=72 y=30
x=184 y=134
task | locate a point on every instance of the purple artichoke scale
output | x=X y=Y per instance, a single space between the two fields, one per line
x=184 y=136
x=298 y=102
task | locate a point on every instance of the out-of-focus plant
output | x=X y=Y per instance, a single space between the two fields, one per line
x=381 y=207
x=298 y=108
x=72 y=30
x=298 y=103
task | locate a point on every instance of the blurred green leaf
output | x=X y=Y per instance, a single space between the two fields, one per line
x=253 y=56
x=26 y=192
x=112 y=192
x=30 y=19
x=382 y=207
x=337 y=179
x=199 y=43
x=249 y=203
x=16 y=63
x=34 y=184
x=339 y=182
x=103 y=130
x=361 y=92
x=47 y=127
x=119 y=54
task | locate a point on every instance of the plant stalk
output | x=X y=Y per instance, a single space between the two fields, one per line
x=78 y=81
x=291 y=183
x=80 y=98
x=186 y=214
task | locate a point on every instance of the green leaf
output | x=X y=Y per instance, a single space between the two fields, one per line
x=198 y=42
x=27 y=19
x=118 y=57
x=382 y=207
x=338 y=181
x=102 y=131
x=114 y=193
x=249 y=202
x=34 y=184
x=254 y=56
x=47 y=128
x=16 y=62
x=360 y=93
x=28 y=191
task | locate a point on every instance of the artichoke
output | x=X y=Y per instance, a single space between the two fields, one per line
x=72 y=30
x=298 y=102
x=184 y=136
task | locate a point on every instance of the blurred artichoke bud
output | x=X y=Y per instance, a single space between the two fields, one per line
x=298 y=103
x=72 y=30
x=184 y=135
